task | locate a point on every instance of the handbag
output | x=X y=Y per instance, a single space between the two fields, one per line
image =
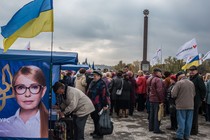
x=161 y=112
x=119 y=91
x=105 y=124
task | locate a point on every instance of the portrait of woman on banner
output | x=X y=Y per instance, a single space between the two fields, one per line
x=31 y=119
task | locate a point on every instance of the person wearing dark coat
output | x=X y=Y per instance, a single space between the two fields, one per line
x=172 y=105
x=207 y=101
x=167 y=83
x=113 y=87
x=100 y=98
x=123 y=100
x=133 y=93
x=200 y=90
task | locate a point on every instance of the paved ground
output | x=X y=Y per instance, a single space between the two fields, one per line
x=136 y=128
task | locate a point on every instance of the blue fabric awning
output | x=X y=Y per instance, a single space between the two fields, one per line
x=74 y=67
x=58 y=58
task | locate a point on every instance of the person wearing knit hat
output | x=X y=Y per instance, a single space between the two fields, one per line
x=173 y=77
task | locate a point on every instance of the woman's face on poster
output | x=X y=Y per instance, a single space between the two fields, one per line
x=28 y=92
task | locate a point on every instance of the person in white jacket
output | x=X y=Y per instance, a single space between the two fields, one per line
x=80 y=81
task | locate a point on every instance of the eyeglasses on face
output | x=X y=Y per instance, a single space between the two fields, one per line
x=34 y=88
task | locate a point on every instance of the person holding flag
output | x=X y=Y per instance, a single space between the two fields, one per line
x=200 y=90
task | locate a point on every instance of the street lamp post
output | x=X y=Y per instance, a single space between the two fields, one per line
x=145 y=65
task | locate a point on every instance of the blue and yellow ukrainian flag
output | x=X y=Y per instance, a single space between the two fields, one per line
x=28 y=22
x=194 y=61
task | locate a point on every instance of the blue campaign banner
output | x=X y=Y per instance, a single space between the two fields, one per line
x=24 y=90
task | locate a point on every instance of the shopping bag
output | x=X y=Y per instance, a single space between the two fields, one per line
x=160 y=112
x=105 y=124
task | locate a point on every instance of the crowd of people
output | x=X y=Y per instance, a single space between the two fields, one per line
x=181 y=95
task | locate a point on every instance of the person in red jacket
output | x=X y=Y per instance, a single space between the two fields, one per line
x=141 y=90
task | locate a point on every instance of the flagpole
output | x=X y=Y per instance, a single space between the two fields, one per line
x=50 y=90
x=51 y=68
x=161 y=57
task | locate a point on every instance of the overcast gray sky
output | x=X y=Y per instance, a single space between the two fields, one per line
x=107 y=31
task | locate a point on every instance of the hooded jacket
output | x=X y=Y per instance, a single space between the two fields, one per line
x=80 y=82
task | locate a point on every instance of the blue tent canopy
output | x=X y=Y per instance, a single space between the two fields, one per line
x=58 y=58
x=74 y=67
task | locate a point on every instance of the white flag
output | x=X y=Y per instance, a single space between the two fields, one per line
x=28 y=46
x=187 y=50
x=157 y=57
x=200 y=59
x=206 y=56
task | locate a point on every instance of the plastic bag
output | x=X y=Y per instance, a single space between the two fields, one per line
x=105 y=124
x=161 y=112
